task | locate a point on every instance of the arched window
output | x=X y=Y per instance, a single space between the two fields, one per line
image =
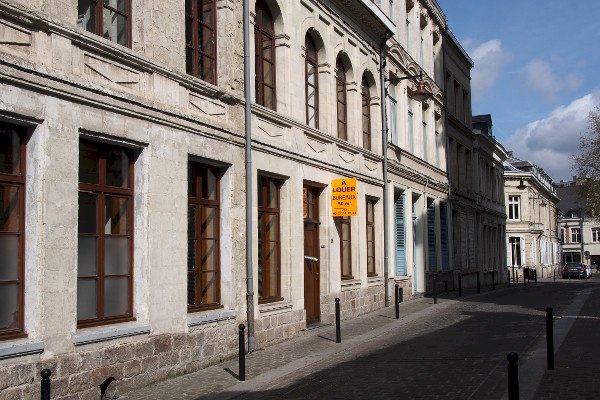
x=312 y=83
x=264 y=34
x=201 y=39
x=340 y=83
x=366 y=114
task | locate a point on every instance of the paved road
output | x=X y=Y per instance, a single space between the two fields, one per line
x=453 y=350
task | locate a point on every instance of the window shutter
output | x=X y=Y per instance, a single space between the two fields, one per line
x=431 y=250
x=509 y=260
x=522 y=240
x=400 y=236
x=444 y=237
x=533 y=251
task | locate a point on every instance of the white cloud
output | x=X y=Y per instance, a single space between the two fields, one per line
x=550 y=142
x=489 y=59
x=539 y=77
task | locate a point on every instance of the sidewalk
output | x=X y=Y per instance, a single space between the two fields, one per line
x=265 y=365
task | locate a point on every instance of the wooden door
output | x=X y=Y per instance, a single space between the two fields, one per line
x=312 y=286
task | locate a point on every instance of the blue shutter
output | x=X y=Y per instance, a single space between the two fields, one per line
x=444 y=235
x=431 y=250
x=400 y=245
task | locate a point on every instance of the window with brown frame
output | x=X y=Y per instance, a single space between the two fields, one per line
x=110 y=19
x=204 y=274
x=12 y=231
x=366 y=114
x=345 y=247
x=269 y=261
x=264 y=34
x=312 y=83
x=371 y=237
x=105 y=248
x=201 y=39
x=340 y=83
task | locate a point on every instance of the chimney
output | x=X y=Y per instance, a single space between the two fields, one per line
x=574 y=177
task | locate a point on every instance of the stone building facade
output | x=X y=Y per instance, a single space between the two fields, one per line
x=531 y=227
x=475 y=175
x=123 y=178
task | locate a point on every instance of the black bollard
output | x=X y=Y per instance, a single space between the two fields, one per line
x=45 y=388
x=401 y=295
x=242 y=360
x=513 y=376
x=434 y=289
x=493 y=281
x=478 y=286
x=397 y=301
x=550 y=338
x=555 y=274
x=535 y=276
x=508 y=270
x=338 y=333
x=459 y=284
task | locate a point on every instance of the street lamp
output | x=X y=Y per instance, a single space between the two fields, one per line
x=420 y=94
x=521 y=185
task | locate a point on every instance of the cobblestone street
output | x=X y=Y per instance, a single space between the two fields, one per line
x=453 y=350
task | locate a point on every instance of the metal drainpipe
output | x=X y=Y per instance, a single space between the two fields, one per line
x=386 y=239
x=449 y=220
x=249 y=175
x=581 y=232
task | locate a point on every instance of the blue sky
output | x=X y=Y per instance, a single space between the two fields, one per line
x=537 y=72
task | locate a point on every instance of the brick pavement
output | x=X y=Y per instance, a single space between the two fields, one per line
x=454 y=350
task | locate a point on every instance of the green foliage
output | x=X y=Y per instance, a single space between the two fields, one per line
x=587 y=165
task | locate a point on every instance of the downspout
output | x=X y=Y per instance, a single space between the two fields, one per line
x=384 y=142
x=249 y=174
x=449 y=221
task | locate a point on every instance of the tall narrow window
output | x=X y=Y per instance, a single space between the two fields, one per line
x=575 y=235
x=410 y=128
x=269 y=264
x=391 y=11
x=104 y=267
x=204 y=275
x=393 y=114
x=201 y=39
x=110 y=19
x=425 y=142
x=12 y=230
x=264 y=34
x=431 y=237
x=366 y=114
x=340 y=83
x=514 y=207
x=345 y=247
x=595 y=235
x=371 y=237
x=312 y=83
x=515 y=248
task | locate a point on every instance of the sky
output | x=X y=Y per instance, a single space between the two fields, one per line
x=537 y=72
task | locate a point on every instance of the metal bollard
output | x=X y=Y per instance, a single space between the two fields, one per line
x=401 y=295
x=338 y=333
x=459 y=284
x=45 y=386
x=513 y=376
x=434 y=288
x=478 y=286
x=242 y=360
x=397 y=301
x=508 y=270
x=555 y=274
x=493 y=281
x=535 y=276
x=550 y=338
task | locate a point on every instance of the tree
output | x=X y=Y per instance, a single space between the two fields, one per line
x=587 y=165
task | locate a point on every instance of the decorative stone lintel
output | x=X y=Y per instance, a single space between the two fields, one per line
x=95 y=335
x=21 y=348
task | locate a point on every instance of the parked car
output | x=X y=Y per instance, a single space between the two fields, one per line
x=576 y=270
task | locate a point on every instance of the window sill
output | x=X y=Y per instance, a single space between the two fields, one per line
x=208 y=317
x=350 y=284
x=21 y=348
x=95 y=335
x=375 y=280
x=275 y=308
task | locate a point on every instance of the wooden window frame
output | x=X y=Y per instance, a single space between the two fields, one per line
x=366 y=114
x=514 y=208
x=193 y=17
x=341 y=87
x=99 y=7
x=263 y=34
x=17 y=180
x=370 y=225
x=200 y=202
x=345 y=221
x=314 y=62
x=102 y=190
x=262 y=244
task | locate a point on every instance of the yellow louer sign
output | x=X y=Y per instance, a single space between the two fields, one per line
x=344 y=197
